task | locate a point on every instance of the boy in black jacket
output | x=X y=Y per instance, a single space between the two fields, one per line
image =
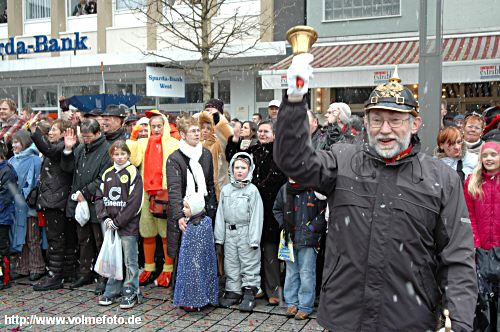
x=119 y=203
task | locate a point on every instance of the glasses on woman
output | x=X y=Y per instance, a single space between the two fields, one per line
x=393 y=123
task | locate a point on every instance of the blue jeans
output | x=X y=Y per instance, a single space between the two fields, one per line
x=300 y=281
x=130 y=258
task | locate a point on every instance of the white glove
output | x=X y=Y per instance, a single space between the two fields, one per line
x=300 y=68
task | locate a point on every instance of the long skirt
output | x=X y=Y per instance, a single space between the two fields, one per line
x=196 y=282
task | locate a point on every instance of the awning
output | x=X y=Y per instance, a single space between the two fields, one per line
x=465 y=59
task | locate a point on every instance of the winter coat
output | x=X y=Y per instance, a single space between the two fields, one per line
x=8 y=184
x=55 y=185
x=232 y=148
x=485 y=213
x=240 y=204
x=27 y=165
x=216 y=144
x=138 y=150
x=177 y=182
x=87 y=163
x=309 y=217
x=115 y=136
x=119 y=197
x=400 y=240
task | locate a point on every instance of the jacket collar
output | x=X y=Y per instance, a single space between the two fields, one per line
x=95 y=144
x=115 y=134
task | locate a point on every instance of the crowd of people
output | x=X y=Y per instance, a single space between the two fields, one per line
x=353 y=211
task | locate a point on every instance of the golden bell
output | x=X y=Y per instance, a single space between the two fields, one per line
x=302 y=38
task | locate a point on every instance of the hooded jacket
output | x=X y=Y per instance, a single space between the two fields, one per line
x=55 y=185
x=27 y=165
x=240 y=204
x=138 y=150
x=216 y=144
x=485 y=212
x=399 y=241
x=87 y=163
x=8 y=181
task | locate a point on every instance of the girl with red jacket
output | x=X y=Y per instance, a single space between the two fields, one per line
x=482 y=194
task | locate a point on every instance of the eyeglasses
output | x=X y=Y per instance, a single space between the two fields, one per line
x=393 y=123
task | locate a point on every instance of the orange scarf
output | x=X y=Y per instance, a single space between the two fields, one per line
x=153 y=165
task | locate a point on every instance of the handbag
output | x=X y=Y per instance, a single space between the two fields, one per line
x=109 y=263
x=488 y=263
x=158 y=204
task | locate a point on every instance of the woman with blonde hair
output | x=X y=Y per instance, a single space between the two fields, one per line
x=482 y=194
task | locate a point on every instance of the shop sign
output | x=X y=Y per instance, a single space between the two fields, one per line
x=381 y=76
x=490 y=72
x=284 y=81
x=42 y=44
x=165 y=82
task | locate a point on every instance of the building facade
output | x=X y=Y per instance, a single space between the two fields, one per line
x=51 y=48
x=360 y=41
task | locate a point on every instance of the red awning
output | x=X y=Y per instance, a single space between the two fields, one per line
x=398 y=52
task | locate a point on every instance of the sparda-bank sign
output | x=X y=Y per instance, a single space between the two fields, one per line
x=42 y=43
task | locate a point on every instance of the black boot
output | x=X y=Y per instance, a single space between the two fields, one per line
x=49 y=282
x=69 y=267
x=229 y=299
x=81 y=281
x=248 y=302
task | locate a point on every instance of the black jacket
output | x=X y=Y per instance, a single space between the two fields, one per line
x=119 y=197
x=55 y=185
x=176 y=180
x=400 y=241
x=87 y=163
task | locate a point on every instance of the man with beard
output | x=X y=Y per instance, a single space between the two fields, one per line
x=399 y=248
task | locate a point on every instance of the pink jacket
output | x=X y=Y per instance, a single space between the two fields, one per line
x=485 y=213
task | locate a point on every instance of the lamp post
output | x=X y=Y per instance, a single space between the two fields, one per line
x=430 y=71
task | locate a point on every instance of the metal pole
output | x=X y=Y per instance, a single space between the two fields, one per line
x=430 y=71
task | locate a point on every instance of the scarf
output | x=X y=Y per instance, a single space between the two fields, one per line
x=291 y=190
x=153 y=165
x=197 y=177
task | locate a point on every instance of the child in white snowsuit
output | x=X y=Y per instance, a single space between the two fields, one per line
x=238 y=226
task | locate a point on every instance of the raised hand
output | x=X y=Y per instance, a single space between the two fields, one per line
x=70 y=139
x=299 y=74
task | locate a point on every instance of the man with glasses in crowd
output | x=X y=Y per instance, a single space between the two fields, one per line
x=399 y=248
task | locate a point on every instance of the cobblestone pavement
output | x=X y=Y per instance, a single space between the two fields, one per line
x=156 y=313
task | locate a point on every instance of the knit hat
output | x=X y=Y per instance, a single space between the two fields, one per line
x=196 y=202
x=491 y=145
x=217 y=104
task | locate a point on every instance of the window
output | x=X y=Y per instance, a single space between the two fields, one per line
x=140 y=90
x=119 y=89
x=37 y=9
x=130 y=4
x=10 y=92
x=76 y=8
x=225 y=91
x=85 y=90
x=351 y=95
x=3 y=11
x=40 y=96
x=352 y=9
x=262 y=95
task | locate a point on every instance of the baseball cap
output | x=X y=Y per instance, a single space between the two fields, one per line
x=274 y=102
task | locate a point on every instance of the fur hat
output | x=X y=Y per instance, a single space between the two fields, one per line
x=217 y=104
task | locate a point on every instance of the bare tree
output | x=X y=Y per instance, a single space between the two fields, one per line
x=198 y=26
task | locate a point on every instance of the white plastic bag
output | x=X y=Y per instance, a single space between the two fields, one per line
x=109 y=263
x=82 y=212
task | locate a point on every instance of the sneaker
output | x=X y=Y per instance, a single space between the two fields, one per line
x=129 y=298
x=291 y=311
x=301 y=315
x=107 y=300
x=260 y=293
